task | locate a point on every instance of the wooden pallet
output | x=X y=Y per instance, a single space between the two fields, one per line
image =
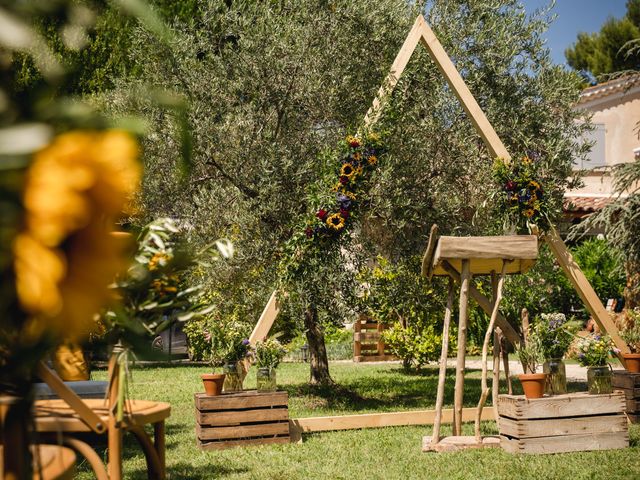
x=367 y=341
x=564 y=423
x=629 y=383
x=241 y=419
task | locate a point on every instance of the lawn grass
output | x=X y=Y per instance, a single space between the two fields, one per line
x=385 y=453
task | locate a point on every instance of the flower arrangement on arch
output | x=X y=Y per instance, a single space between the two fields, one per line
x=359 y=156
x=523 y=200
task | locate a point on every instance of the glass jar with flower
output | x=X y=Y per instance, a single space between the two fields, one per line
x=555 y=336
x=268 y=355
x=593 y=352
x=631 y=335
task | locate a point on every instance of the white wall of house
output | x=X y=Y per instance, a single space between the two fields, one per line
x=616 y=117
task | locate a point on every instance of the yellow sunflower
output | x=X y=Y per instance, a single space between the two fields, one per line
x=336 y=222
x=64 y=259
x=372 y=159
x=347 y=170
x=529 y=212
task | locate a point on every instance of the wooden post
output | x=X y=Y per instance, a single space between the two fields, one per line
x=114 y=433
x=497 y=294
x=495 y=383
x=504 y=353
x=462 y=346
x=442 y=375
x=357 y=345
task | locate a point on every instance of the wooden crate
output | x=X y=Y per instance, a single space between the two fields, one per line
x=241 y=419
x=629 y=383
x=563 y=423
x=367 y=341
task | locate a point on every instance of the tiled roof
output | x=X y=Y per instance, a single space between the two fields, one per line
x=585 y=204
x=609 y=88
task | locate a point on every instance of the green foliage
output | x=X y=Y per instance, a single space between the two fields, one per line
x=546 y=288
x=155 y=291
x=608 y=51
x=594 y=350
x=631 y=333
x=199 y=346
x=229 y=341
x=269 y=354
x=602 y=265
x=416 y=347
x=530 y=354
x=554 y=334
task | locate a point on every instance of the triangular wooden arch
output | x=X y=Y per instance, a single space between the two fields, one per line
x=421 y=33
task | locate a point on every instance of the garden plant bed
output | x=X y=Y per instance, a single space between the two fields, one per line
x=629 y=383
x=241 y=419
x=563 y=423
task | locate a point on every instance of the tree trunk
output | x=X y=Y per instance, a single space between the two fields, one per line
x=632 y=289
x=317 y=351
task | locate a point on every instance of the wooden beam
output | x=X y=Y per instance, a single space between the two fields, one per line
x=378 y=420
x=460 y=89
x=509 y=332
x=463 y=320
x=398 y=66
x=265 y=322
x=585 y=290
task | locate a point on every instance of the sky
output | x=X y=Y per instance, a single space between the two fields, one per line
x=575 y=16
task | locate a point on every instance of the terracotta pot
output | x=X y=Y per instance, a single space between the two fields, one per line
x=533 y=384
x=632 y=360
x=213 y=383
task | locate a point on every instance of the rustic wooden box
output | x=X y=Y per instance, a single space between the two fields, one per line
x=241 y=419
x=367 y=341
x=563 y=423
x=629 y=383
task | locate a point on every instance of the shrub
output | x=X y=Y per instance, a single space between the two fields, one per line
x=199 y=346
x=416 y=347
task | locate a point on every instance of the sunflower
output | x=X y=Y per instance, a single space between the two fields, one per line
x=347 y=170
x=533 y=185
x=526 y=160
x=353 y=141
x=336 y=222
x=529 y=212
x=372 y=159
x=356 y=156
x=64 y=259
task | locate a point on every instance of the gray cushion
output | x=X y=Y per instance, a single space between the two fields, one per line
x=84 y=389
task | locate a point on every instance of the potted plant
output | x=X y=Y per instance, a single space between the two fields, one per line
x=230 y=345
x=593 y=353
x=268 y=355
x=531 y=357
x=631 y=335
x=554 y=334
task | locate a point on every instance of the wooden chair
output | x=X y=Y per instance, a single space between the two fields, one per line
x=70 y=416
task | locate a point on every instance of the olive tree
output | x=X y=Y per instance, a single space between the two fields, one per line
x=272 y=85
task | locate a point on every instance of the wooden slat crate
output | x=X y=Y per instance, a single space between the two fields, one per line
x=241 y=419
x=367 y=343
x=629 y=383
x=562 y=423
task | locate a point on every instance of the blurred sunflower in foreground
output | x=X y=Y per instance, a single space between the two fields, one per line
x=75 y=190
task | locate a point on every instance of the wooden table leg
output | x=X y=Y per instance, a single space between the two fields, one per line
x=159 y=443
x=465 y=279
x=435 y=438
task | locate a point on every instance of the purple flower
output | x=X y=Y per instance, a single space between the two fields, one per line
x=245 y=342
x=343 y=201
